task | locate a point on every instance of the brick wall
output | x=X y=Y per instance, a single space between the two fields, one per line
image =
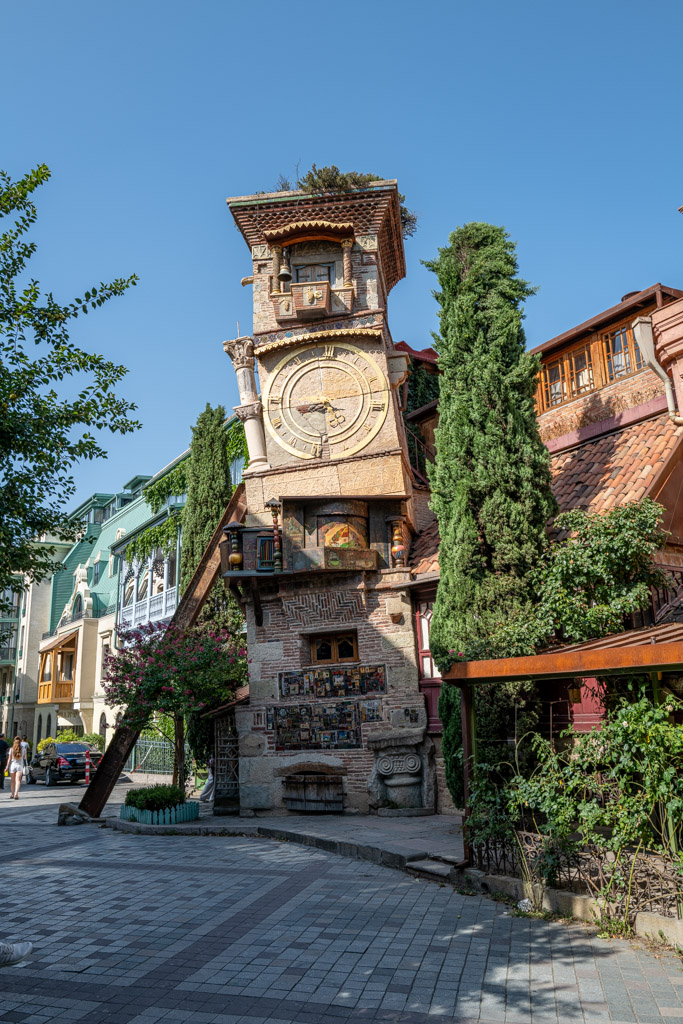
x=600 y=405
x=290 y=617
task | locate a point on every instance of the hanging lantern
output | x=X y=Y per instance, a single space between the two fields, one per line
x=574 y=691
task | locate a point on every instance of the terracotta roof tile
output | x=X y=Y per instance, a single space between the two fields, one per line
x=597 y=476
x=613 y=469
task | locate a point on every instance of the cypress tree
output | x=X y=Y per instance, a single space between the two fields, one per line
x=491 y=480
x=209 y=489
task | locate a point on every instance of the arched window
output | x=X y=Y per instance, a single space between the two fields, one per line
x=128 y=593
x=48 y=727
x=143 y=584
x=103 y=725
x=77 y=607
x=39 y=734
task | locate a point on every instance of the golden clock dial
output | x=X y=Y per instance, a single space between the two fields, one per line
x=329 y=398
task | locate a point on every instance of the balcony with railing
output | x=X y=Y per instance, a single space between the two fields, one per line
x=152 y=608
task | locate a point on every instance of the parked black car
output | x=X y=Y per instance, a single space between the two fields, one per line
x=62 y=762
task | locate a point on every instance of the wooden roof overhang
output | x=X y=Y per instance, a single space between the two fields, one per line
x=630 y=305
x=659 y=649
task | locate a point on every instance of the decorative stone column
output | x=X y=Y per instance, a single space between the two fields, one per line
x=241 y=352
x=347 y=245
x=276 y=251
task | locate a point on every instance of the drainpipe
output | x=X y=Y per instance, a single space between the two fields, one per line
x=642 y=333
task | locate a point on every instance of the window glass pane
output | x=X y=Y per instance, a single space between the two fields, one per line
x=618 y=356
x=323 y=649
x=321 y=272
x=47 y=669
x=638 y=357
x=554 y=379
x=583 y=372
x=303 y=273
x=143 y=583
x=345 y=647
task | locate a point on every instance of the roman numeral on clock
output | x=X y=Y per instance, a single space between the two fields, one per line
x=329 y=351
x=277 y=422
x=377 y=406
x=316 y=450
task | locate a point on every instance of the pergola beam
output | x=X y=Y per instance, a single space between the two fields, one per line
x=568 y=664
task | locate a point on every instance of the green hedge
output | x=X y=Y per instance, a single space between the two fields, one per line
x=155 y=798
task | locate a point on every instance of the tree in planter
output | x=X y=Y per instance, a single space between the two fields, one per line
x=491 y=479
x=174 y=672
x=43 y=431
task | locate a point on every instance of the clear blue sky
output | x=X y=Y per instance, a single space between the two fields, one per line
x=560 y=121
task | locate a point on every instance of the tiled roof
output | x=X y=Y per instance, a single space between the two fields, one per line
x=613 y=469
x=424 y=553
x=424 y=355
x=597 y=475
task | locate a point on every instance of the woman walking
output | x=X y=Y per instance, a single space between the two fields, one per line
x=15 y=767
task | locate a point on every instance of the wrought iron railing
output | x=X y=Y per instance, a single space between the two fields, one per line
x=154 y=757
x=419 y=454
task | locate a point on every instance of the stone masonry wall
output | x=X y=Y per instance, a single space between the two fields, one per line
x=280 y=644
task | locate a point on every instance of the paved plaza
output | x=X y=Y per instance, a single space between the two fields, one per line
x=135 y=929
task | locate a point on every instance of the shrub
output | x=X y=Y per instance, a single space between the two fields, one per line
x=93 y=739
x=155 y=798
x=45 y=743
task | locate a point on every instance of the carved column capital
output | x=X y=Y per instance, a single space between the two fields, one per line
x=347 y=243
x=251 y=411
x=241 y=352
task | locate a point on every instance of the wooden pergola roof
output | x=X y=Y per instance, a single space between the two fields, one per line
x=657 y=649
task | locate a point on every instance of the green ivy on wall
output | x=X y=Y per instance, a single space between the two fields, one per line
x=173 y=483
x=164 y=535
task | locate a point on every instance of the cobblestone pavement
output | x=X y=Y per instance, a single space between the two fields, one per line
x=138 y=929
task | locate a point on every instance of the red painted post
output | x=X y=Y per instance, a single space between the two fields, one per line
x=87 y=767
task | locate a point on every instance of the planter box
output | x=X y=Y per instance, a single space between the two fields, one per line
x=168 y=816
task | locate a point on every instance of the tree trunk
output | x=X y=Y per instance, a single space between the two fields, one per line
x=179 y=751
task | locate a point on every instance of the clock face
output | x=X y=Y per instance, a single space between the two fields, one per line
x=328 y=398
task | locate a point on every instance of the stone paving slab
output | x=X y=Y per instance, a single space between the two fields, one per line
x=245 y=930
x=395 y=842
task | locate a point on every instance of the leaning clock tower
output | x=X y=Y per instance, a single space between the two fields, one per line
x=335 y=719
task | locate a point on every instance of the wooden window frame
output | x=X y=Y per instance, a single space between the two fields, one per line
x=607 y=354
x=568 y=374
x=334 y=639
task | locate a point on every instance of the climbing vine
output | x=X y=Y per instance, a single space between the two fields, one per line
x=171 y=484
x=164 y=536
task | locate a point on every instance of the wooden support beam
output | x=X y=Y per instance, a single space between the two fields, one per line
x=566 y=664
x=186 y=614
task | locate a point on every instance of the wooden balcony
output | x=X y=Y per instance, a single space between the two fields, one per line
x=60 y=692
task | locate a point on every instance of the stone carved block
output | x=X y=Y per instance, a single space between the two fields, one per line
x=260 y=252
x=367 y=242
x=403 y=774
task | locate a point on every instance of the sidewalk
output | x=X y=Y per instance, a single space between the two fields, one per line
x=429 y=845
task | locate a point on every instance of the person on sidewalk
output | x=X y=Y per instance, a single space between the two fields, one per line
x=206 y=795
x=15 y=766
x=25 y=749
x=14 y=952
x=4 y=748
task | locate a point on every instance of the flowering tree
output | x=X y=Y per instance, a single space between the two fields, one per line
x=175 y=672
